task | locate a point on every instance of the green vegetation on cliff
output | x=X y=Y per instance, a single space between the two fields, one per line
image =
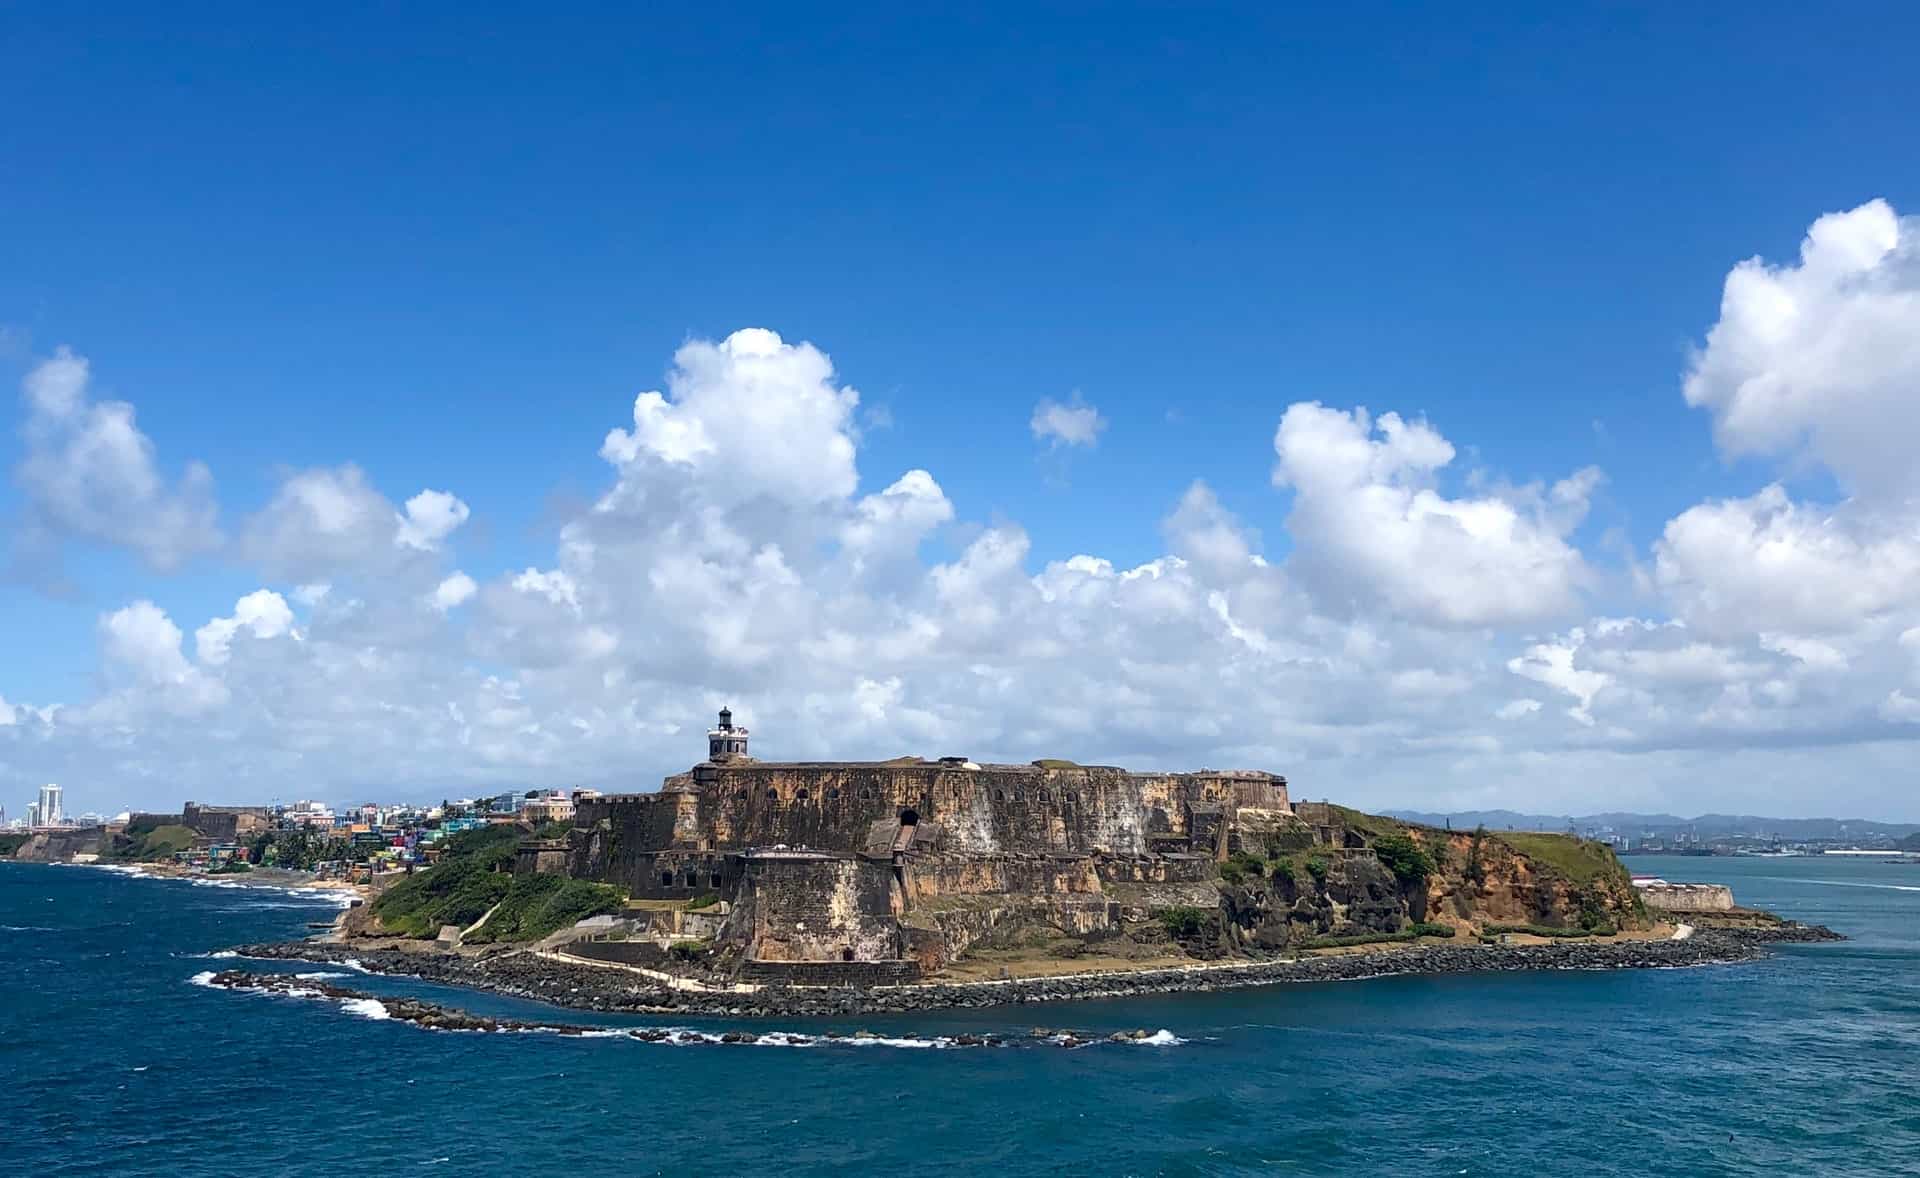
x=1408 y=860
x=536 y=905
x=142 y=843
x=9 y=843
x=474 y=875
x=1580 y=861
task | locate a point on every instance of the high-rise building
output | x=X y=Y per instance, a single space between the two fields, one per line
x=51 y=809
x=33 y=814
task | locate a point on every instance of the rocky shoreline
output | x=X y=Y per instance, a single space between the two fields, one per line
x=585 y=986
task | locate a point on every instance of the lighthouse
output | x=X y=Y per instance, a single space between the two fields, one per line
x=724 y=741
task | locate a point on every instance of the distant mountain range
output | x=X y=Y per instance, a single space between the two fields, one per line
x=1706 y=826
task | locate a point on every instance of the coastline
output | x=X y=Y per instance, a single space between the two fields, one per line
x=583 y=985
x=339 y=891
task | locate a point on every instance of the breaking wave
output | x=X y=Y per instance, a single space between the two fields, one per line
x=339 y=897
x=373 y=1008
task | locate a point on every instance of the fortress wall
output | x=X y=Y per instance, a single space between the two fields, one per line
x=1689 y=897
x=224 y=824
x=991 y=810
x=974 y=875
x=817 y=909
x=540 y=857
x=1157 y=869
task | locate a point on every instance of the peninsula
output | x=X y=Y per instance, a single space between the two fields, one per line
x=751 y=887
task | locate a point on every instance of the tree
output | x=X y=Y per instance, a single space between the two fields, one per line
x=1407 y=859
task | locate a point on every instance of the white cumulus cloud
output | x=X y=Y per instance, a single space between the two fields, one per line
x=90 y=473
x=1069 y=423
x=1372 y=530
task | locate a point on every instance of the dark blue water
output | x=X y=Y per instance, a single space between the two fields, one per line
x=1808 y=1063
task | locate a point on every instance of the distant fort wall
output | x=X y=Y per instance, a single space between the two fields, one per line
x=986 y=810
x=225 y=824
x=1688 y=897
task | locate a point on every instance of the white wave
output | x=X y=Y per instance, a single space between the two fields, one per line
x=353 y=963
x=218 y=954
x=1160 y=1038
x=887 y=1042
x=364 y=1007
x=203 y=978
x=318 y=976
x=27 y=928
x=1843 y=883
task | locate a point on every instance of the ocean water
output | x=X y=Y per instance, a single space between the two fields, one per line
x=1809 y=1063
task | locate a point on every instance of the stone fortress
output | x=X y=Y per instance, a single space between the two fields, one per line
x=883 y=870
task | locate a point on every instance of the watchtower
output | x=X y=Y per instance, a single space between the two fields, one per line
x=724 y=741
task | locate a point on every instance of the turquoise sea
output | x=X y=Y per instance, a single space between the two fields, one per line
x=117 y=1063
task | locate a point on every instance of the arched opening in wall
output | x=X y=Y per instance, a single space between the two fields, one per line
x=741 y=797
x=691 y=880
x=999 y=795
x=713 y=881
x=846 y=954
x=909 y=817
x=801 y=795
x=866 y=793
x=666 y=879
x=1073 y=797
x=1019 y=795
x=773 y=795
x=833 y=795
x=1043 y=795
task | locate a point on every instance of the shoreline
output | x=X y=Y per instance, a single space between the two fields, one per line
x=260 y=878
x=583 y=985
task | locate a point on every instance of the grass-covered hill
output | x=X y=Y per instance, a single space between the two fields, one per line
x=474 y=876
x=145 y=842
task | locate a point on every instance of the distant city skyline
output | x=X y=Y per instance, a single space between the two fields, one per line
x=1446 y=411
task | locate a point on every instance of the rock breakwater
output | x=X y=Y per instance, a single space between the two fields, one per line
x=584 y=986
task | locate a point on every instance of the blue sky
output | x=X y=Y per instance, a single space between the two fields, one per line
x=450 y=245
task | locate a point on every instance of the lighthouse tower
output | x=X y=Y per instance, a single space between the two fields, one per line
x=725 y=742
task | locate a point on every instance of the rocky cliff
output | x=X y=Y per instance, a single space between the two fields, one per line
x=60 y=846
x=1353 y=876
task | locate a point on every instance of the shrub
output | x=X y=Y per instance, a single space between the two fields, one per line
x=1317 y=866
x=1432 y=929
x=1407 y=859
x=1252 y=864
x=1541 y=930
x=688 y=950
x=1233 y=873
x=1358 y=939
x=1283 y=869
x=704 y=901
x=1183 y=921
